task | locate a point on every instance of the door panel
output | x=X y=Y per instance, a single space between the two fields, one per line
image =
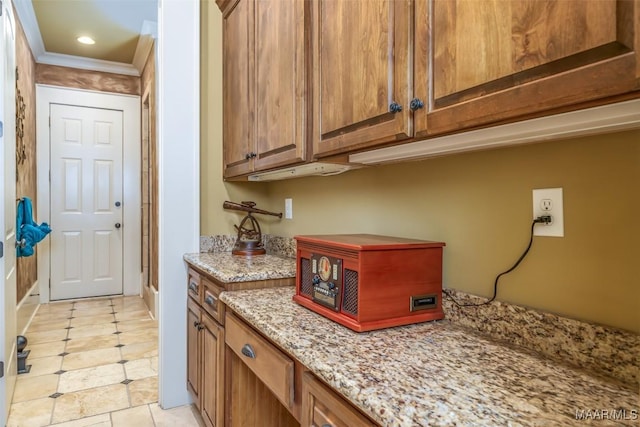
x=86 y=181
x=362 y=64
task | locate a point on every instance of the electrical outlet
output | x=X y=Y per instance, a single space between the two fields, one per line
x=548 y=201
x=288 y=208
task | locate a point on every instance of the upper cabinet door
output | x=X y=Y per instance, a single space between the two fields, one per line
x=238 y=98
x=503 y=59
x=361 y=73
x=281 y=127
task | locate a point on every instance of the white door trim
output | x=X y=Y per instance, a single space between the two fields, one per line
x=130 y=105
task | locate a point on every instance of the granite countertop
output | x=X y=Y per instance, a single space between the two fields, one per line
x=230 y=268
x=434 y=373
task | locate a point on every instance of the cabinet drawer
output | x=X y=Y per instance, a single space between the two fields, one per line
x=210 y=301
x=269 y=364
x=193 y=283
x=323 y=407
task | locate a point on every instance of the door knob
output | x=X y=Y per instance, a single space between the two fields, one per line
x=118 y=204
x=118 y=225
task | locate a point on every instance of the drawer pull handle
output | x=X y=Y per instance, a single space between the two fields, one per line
x=193 y=287
x=209 y=299
x=327 y=425
x=247 y=350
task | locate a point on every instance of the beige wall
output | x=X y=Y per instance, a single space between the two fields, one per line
x=213 y=191
x=478 y=203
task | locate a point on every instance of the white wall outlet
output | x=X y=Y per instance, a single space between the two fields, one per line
x=548 y=201
x=288 y=208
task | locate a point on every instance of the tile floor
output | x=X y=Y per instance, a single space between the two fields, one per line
x=93 y=363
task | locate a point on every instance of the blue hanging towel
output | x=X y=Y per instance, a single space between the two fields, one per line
x=27 y=229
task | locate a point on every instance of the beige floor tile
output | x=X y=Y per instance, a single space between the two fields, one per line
x=92 y=330
x=103 y=420
x=143 y=391
x=139 y=335
x=54 y=307
x=44 y=349
x=48 y=325
x=91 y=343
x=131 y=315
x=43 y=366
x=181 y=416
x=92 y=320
x=85 y=403
x=139 y=350
x=141 y=368
x=31 y=388
x=98 y=376
x=91 y=304
x=98 y=311
x=88 y=359
x=139 y=416
x=47 y=336
x=130 y=325
x=132 y=302
x=52 y=317
x=33 y=413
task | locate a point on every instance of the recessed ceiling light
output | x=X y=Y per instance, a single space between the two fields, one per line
x=86 y=40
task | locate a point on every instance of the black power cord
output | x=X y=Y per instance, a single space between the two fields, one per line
x=545 y=219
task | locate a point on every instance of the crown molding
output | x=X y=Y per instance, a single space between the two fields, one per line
x=27 y=17
x=148 y=34
x=87 y=64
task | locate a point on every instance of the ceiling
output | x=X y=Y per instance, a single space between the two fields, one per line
x=123 y=31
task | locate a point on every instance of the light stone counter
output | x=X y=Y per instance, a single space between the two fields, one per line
x=230 y=268
x=435 y=373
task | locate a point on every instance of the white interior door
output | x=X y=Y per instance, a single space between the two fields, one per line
x=86 y=201
x=8 y=214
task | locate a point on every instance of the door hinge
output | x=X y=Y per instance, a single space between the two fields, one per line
x=0 y=15
x=1 y=249
x=1 y=369
x=1 y=128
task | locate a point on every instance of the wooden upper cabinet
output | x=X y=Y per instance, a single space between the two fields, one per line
x=491 y=61
x=264 y=51
x=237 y=22
x=280 y=120
x=361 y=66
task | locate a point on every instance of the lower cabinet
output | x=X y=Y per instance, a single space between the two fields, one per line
x=322 y=407
x=205 y=364
x=260 y=379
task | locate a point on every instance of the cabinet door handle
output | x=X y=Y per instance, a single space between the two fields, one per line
x=247 y=350
x=200 y=327
x=193 y=287
x=327 y=425
x=195 y=323
x=247 y=156
x=395 y=107
x=209 y=299
x=416 y=104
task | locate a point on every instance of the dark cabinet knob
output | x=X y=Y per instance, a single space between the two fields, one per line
x=395 y=107
x=248 y=351
x=416 y=104
x=118 y=225
x=250 y=156
x=195 y=324
x=200 y=327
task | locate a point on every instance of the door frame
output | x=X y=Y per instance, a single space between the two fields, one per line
x=131 y=201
